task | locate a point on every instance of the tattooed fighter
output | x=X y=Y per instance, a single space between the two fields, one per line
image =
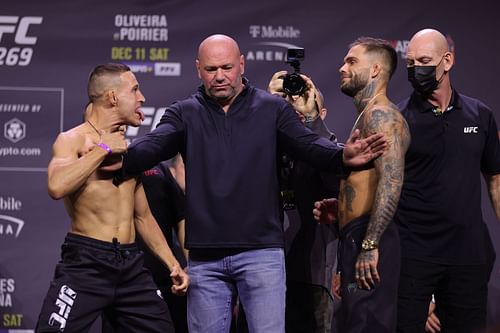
x=369 y=253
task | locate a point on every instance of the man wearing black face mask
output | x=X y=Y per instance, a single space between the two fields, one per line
x=423 y=78
x=445 y=244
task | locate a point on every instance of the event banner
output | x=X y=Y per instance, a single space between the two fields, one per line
x=48 y=48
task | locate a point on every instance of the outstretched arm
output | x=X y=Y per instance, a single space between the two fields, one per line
x=358 y=152
x=390 y=170
x=159 y=145
x=493 y=183
x=152 y=235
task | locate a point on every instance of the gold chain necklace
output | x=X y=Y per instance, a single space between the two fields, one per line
x=371 y=99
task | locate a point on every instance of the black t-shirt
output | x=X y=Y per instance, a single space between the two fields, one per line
x=167 y=203
x=439 y=213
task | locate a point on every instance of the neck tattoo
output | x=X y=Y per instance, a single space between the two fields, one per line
x=95 y=129
x=361 y=113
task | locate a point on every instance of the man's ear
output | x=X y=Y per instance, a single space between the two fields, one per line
x=198 y=69
x=111 y=97
x=449 y=61
x=375 y=71
x=322 y=113
x=242 y=64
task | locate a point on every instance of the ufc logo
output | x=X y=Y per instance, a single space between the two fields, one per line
x=152 y=117
x=64 y=302
x=470 y=129
x=9 y=24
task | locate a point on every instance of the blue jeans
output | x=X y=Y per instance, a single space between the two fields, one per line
x=257 y=276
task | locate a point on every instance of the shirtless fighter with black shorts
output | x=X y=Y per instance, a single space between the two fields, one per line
x=101 y=269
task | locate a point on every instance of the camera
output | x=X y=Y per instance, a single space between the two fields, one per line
x=294 y=84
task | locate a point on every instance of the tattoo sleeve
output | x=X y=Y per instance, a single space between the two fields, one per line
x=389 y=167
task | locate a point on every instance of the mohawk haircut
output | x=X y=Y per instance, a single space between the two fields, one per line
x=104 y=77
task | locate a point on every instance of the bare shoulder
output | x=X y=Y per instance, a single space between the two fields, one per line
x=380 y=114
x=70 y=141
x=386 y=118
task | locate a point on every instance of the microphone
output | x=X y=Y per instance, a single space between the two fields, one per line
x=437 y=111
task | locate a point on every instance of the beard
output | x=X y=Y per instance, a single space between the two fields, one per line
x=355 y=84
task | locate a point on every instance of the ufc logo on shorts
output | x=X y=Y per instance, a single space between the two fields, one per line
x=65 y=301
x=472 y=129
x=12 y=24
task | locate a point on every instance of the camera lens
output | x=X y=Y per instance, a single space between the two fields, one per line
x=293 y=84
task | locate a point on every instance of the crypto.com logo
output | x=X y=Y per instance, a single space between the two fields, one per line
x=12 y=24
x=10 y=225
x=14 y=130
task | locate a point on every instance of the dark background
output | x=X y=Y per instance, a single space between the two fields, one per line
x=74 y=36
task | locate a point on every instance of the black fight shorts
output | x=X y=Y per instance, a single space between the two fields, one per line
x=96 y=277
x=374 y=310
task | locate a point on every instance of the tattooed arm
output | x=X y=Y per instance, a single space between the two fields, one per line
x=390 y=169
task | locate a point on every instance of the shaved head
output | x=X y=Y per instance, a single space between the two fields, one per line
x=103 y=78
x=430 y=40
x=220 y=67
x=216 y=44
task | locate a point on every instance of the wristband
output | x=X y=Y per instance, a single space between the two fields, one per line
x=105 y=147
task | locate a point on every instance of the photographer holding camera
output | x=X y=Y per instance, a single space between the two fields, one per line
x=310 y=248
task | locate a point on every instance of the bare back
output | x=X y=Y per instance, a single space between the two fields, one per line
x=97 y=208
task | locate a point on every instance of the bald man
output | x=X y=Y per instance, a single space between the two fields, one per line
x=446 y=247
x=101 y=267
x=229 y=134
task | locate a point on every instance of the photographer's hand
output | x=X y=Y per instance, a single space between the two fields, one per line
x=275 y=86
x=305 y=104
